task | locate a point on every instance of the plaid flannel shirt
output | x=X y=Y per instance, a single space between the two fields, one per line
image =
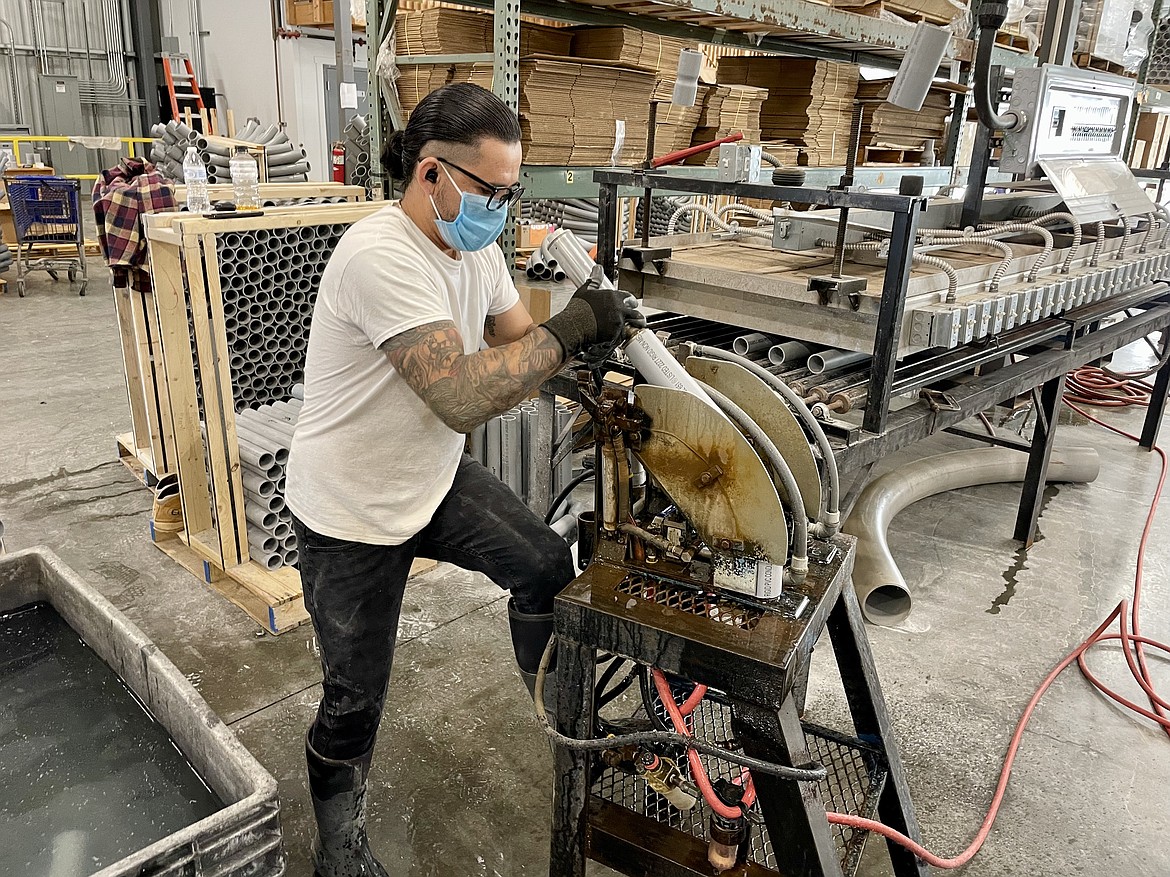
x=120 y=198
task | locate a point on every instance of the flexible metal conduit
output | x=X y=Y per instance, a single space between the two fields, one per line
x=945 y=236
x=921 y=258
x=1026 y=228
x=1076 y=232
x=830 y=516
x=881 y=589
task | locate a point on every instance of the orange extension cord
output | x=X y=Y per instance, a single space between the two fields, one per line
x=1088 y=386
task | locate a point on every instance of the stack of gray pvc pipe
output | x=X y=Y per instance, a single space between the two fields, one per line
x=506 y=445
x=5 y=257
x=286 y=161
x=265 y=436
x=357 y=151
x=577 y=214
x=268 y=280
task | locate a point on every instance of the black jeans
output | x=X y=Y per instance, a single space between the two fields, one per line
x=353 y=593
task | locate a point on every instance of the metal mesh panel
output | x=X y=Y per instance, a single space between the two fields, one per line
x=856 y=775
x=692 y=601
x=1158 y=69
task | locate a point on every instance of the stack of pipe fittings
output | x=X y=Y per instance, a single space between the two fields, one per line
x=357 y=152
x=507 y=446
x=286 y=161
x=265 y=436
x=269 y=280
x=542 y=265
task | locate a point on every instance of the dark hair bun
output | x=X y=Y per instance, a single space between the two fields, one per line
x=392 y=159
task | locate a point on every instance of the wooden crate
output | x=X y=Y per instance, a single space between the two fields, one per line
x=282 y=192
x=150 y=443
x=186 y=275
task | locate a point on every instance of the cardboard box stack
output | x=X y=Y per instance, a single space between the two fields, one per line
x=630 y=46
x=892 y=135
x=456 y=31
x=416 y=81
x=727 y=109
x=676 y=125
x=809 y=102
x=574 y=112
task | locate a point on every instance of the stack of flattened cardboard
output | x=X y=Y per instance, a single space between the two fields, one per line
x=892 y=135
x=416 y=81
x=676 y=125
x=726 y=110
x=631 y=46
x=578 y=113
x=456 y=31
x=785 y=153
x=809 y=102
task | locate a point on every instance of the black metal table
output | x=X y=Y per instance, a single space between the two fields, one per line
x=758 y=658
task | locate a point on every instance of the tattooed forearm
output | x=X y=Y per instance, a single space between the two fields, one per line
x=465 y=390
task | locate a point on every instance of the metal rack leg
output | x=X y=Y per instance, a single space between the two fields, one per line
x=575 y=672
x=805 y=845
x=1043 y=437
x=867 y=705
x=607 y=231
x=1157 y=399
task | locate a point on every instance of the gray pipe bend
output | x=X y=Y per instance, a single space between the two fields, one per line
x=782 y=470
x=881 y=589
x=831 y=513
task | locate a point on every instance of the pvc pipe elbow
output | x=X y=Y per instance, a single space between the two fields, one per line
x=797 y=571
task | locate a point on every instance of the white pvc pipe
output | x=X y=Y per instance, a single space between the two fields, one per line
x=881 y=589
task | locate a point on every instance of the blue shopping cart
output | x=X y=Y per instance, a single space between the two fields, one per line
x=46 y=212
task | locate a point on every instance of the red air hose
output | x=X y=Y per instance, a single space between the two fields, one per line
x=1089 y=386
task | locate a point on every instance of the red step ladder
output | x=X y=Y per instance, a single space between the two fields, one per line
x=187 y=88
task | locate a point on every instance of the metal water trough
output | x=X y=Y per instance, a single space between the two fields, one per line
x=241 y=840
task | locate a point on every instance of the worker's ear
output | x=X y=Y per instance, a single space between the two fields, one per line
x=428 y=171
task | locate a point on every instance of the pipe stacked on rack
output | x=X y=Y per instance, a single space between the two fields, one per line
x=579 y=215
x=269 y=280
x=506 y=446
x=5 y=257
x=286 y=161
x=265 y=436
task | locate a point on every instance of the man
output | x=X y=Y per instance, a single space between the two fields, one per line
x=394 y=380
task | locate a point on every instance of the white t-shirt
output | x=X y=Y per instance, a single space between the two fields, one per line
x=369 y=461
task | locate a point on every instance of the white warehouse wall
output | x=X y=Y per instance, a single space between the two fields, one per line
x=256 y=74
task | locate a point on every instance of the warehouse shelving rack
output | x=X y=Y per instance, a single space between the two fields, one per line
x=799 y=28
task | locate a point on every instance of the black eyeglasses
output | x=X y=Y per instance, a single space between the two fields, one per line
x=500 y=197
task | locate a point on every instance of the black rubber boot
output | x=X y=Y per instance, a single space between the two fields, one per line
x=530 y=636
x=338 y=790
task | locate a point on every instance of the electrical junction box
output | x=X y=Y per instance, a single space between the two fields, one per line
x=61 y=110
x=1069 y=113
x=739 y=163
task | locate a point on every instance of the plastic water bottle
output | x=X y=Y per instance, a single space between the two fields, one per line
x=195 y=179
x=245 y=180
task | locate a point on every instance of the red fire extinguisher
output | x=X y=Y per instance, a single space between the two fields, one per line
x=338 y=162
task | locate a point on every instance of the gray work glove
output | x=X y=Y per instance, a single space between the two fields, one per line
x=594 y=320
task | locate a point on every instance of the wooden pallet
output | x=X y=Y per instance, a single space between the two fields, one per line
x=273 y=599
x=137 y=460
x=1092 y=62
x=892 y=156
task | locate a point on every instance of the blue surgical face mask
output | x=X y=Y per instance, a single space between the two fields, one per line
x=475 y=226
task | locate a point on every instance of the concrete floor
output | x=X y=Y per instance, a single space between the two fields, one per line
x=461 y=785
